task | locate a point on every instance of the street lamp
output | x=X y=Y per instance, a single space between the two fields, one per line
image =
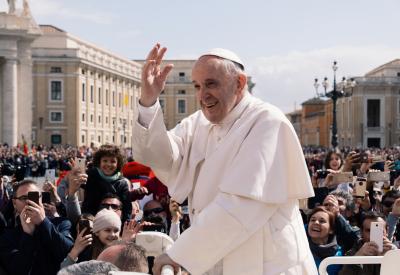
x=334 y=95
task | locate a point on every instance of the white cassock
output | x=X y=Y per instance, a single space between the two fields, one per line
x=243 y=178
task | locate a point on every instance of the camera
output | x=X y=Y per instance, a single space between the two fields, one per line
x=321 y=174
x=157 y=224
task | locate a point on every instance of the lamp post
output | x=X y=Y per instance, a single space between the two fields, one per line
x=335 y=94
x=124 y=128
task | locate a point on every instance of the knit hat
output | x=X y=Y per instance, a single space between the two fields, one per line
x=104 y=219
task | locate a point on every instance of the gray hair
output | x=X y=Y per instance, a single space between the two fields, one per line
x=350 y=205
x=90 y=267
x=131 y=258
x=234 y=69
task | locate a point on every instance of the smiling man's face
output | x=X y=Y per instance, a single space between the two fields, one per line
x=217 y=91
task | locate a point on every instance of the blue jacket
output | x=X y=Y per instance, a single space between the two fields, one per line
x=41 y=253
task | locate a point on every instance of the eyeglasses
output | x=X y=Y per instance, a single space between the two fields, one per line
x=24 y=197
x=157 y=210
x=113 y=206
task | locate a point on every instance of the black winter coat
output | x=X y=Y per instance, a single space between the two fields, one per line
x=96 y=188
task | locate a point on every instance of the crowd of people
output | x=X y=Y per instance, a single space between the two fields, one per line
x=94 y=212
x=340 y=215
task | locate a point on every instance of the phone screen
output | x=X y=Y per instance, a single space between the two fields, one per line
x=34 y=196
x=85 y=224
x=46 y=198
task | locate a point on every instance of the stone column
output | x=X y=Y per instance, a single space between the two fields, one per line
x=25 y=91
x=10 y=114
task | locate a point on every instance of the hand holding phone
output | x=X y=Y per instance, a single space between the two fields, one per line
x=376 y=234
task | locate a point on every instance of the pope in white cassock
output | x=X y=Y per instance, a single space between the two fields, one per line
x=239 y=162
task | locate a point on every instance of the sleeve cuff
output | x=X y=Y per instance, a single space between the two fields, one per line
x=146 y=114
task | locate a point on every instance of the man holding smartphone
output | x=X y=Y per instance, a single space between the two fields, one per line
x=367 y=247
x=32 y=243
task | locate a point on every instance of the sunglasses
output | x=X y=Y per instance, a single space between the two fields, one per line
x=113 y=206
x=157 y=210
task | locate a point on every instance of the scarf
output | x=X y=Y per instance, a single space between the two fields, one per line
x=108 y=179
x=323 y=251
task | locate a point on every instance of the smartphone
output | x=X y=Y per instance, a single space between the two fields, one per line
x=34 y=196
x=364 y=157
x=321 y=174
x=135 y=185
x=343 y=177
x=46 y=198
x=376 y=234
x=81 y=164
x=360 y=187
x=50 y=175
x=378 y=176
x=185 y=210
x=85 y=224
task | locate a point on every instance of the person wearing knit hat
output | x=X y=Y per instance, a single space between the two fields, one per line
x=106 y=229
x=105 y=219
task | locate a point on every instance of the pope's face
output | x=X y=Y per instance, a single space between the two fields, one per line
x=217 y=91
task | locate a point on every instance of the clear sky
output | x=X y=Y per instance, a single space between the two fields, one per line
x=285 y=43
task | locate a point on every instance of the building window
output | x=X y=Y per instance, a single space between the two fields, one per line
x=91 y=118
x=83 y=117
x=99 y=119
x=99 y=138
x=120 y=100
x=373 y=112
x=106 y=119
x=83 y=138
x=181 y=106
x=56 y=116
x=106 y=97
x=91 y=94
x=55 y=139
x=55 y=90
x=113 y=99
x=181 y=92
x=181 y=76
x=55 y=70
x=83 y=92
x=99 y=96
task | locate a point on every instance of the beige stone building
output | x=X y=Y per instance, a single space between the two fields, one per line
x=17 y=31
x=178 y=100
x=82 y=93
x=370 y=117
